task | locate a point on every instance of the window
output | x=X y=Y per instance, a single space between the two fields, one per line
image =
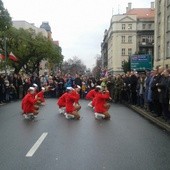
x=159 y=54
x=143 y=26
x=168 y=26
x=168 y=3
x=123 y=39
x=129 y=51
x=143 y=40
x=123 y=51
x=159 y=28
x=168 y=49
x=149 y=26
x=150 y=39
x=150 y=51
x=123 y=27
x=129 y=39
x=159 y=5
x=129 y=26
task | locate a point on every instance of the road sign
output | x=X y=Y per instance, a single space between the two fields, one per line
x=141 y=62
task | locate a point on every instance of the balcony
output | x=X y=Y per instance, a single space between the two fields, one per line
x=146 y=44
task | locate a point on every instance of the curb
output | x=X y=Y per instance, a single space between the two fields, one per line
x=158 y=122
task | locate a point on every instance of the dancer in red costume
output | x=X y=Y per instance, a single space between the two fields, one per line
x=28 y=104
x=40 y=96
x=76 y=92
x=91 y=96
x=62 y=101
x=101 y=104
x=71 y=110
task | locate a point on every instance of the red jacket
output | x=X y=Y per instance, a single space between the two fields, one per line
x=28 y=103
x=77 y=96
x=70 y=100
x=91 y=94
x=40 y=95
x=62 y=100
x=100 y=101
x=94 y=99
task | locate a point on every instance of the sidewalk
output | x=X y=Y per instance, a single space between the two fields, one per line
x=148 y=115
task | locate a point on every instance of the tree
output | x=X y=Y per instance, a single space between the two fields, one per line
x=97 y=69
x=73 y=66
x=126 y=65
x=5 y=19
x=30 y=50
x=56 y=58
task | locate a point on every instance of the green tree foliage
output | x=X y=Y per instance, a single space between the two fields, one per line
x=126 y=65
x=30 y=49
x=5 y=19
x=73 y=66
x=26 y=45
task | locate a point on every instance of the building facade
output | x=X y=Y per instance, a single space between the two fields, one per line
x=162 y=33
x=46 y=26
x=26 y=25
x=129 y=33
x=121 y=41
x=104 y=51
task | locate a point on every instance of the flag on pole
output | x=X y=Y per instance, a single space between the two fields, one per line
x=12 y=57
x=2 y=57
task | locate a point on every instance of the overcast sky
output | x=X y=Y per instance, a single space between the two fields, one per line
x=78 y=24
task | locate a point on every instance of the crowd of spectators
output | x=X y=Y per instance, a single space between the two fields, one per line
x=15 y=86
x=149 y=90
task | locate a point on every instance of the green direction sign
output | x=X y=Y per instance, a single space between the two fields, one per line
x=141 y=62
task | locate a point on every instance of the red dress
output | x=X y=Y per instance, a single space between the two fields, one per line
x=91 y=94
x=62 y=100
x=100 y=101
x=28 y=103
x=40 y=96
x=70 y=100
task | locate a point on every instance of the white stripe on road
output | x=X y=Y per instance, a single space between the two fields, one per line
x=36 y=145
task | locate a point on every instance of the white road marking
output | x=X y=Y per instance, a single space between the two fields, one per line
x=36 y=145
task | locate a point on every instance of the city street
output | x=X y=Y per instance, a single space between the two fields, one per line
x=50 y=142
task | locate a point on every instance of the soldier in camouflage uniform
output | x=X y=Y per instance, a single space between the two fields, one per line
x=118 y=88
x=110 y=85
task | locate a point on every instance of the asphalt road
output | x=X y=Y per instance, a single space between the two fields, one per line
x=126 y=142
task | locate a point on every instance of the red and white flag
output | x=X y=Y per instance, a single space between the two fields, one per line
x=12 y=57
x=2 y=57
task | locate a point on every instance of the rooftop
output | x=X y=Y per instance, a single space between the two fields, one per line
x=142 y=12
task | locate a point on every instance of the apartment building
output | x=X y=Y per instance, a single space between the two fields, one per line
x=129 y=33
x=162 y=33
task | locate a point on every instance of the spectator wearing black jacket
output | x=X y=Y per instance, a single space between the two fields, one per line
x=2 y=89
x=164 y=94
x=155 y=94
x=78 y=82
x=133 y=86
